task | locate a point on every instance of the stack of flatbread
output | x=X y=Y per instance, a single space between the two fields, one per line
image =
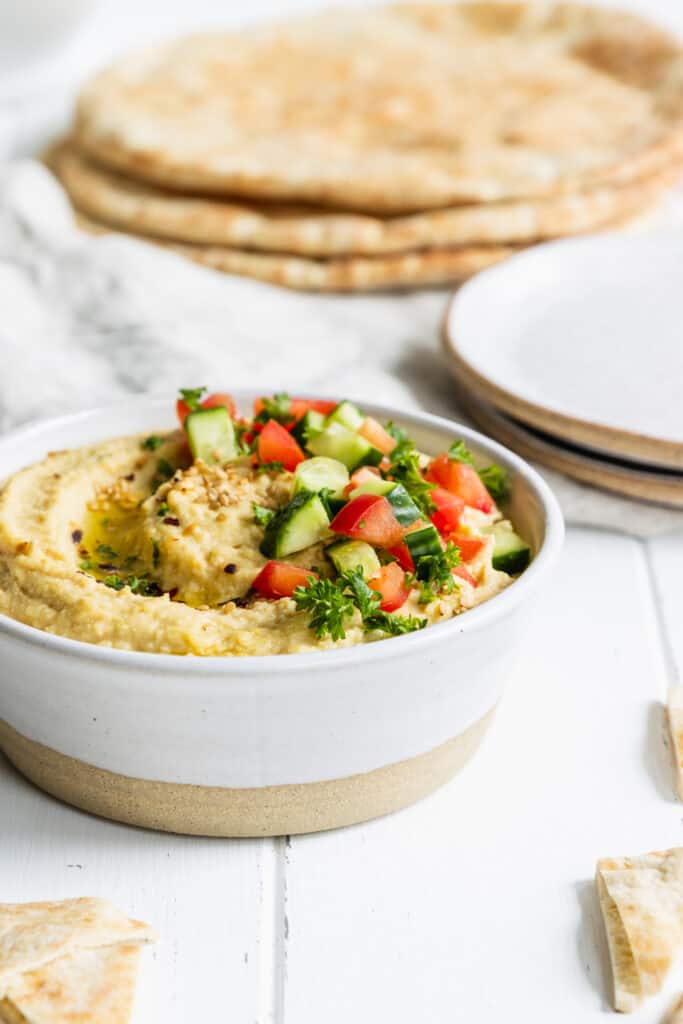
x=73 y=962
x=371 y=148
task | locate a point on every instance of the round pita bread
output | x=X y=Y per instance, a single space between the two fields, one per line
x=144 y=209
x=398 y=108
x=349 y=274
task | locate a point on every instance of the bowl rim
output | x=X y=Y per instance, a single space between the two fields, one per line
x=337 y=658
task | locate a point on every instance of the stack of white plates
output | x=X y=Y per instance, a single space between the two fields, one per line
x=572 y=354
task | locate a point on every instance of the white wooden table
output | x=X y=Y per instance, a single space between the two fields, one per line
x=475 y=906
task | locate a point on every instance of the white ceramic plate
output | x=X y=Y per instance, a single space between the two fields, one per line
x=582 y=339
x=628 y=479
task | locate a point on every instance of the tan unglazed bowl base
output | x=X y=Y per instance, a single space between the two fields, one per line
x=263 y=811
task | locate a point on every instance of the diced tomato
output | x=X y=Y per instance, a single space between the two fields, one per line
x=218 y=398
x=275 y=444
x=280 y=579
x=461 y=479
x=369 y=517
x=469 y=546
x=182 y=410
x=449 y=510
x=300 y=406
x=373 y=431
x=464 y=573
x=401 y=553
x=221 y=398
x=361 y=476
x=390 y=584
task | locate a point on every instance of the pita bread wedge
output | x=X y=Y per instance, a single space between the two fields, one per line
x=89 y=986
x=143 y=209
x=674 y=710
x=34 y=934
x=396 y=108
x=675 y=1015
x=641 y=899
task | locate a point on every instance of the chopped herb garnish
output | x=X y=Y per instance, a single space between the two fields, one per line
x=115 y=582
x=192 y=397
x=130 y=561
x=328 y=604
x=279 y=408
x=151 y=443
x=331 y=602
x=271 y=467
x=144 y=587
x=398 y=433
x=246 y=440
x=459 y=452
x=106 y=551
x=165 y=469
x=87 y=564
x=434 y=573
x=262 y=515
x=496 y=481
x=405 y=468
x=164 y=509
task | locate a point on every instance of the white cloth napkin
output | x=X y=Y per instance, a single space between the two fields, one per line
x=86 y=321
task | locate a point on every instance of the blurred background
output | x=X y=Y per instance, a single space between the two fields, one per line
x=48 y=46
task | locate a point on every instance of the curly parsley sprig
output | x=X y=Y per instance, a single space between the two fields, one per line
x=331 y=602
x=435 y=573
x=405 y=469
x=278 y=407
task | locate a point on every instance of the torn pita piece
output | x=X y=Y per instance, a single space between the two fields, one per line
x=73 y=962
x=641 y=899
x=676 y=1013
x=675 y=716
x=90 y=985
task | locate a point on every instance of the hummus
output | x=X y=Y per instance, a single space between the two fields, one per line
x=131 y=544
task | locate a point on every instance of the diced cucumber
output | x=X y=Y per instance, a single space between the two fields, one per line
x=310 y=424
x=376 y=486
x=347 y=415
x=424 y=542
x=347 y=555
x=338 y=442
x=299 y=524
x=211 y=435
x=511 y=554
x=405 y=509
x=321 y=472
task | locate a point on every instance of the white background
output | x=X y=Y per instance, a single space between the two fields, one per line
x=476 y=906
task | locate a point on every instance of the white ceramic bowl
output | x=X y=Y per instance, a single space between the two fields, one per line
x=263 y=745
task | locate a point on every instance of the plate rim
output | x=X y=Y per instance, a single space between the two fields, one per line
x=633 y=446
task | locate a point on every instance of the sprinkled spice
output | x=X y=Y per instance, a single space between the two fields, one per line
x=77 y=536
x=230 y=568
x=131 y=476
x=171 y=521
